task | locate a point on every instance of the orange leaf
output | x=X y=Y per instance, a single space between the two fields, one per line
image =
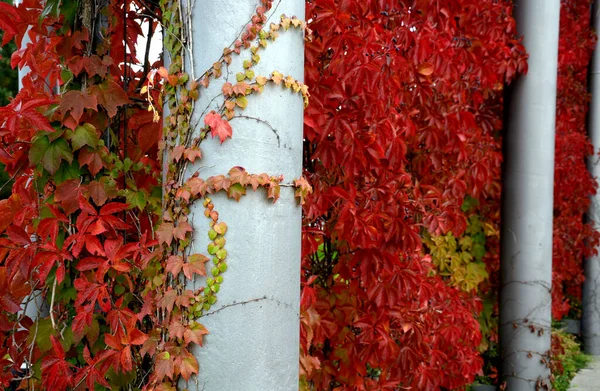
x=425 y=69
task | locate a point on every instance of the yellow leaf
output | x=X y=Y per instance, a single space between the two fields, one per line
x=425 y=69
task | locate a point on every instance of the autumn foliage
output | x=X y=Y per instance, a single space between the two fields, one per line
x=574 y=239
x=77 y=230
x=403 y=140
x=403 y=126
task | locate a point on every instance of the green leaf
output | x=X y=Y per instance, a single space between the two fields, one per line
x=42 y=336
x=67 y=294
x=57 y=151
x=38 y=148
x=52 y=8
x=222 y=254
x=136 y=199
x=212 y=248
x=240 y=76
x=67 y=171
x=84 y=135
x=242 y=102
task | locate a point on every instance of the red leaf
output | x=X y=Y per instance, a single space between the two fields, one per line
x=112 y=208
x=110 y=95
x=182 y=228
x=92 y=159
x=164 y=366
x=218 y=126
x=75 y=102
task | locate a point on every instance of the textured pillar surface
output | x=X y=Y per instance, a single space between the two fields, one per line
x=252 y=346
x=591 y=293
x=526 y=253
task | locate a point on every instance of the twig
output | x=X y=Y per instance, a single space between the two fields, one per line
x=52 y=305
x=234 y=304
x=262 y=121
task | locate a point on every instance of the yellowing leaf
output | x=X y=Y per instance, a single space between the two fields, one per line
x=425 y=69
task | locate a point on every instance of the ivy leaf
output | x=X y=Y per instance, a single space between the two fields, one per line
x=426 y=69
x=164 y=366
x=194 y=333
x=186 y=364
x=236 y=191
x=164 y=233
x=241 y=87
x=56 y=152
x=174 y=265
x=75 y=102
x=10 y=16
x=218 y=126
x=91 y=159
x=110 y=95
x=261 y=80
x=195 y=265
x=98 y=193
x=241 y=101
x=38 y=148
x=85 y=134
x=182 y=228
x=66 y=172
x=167 y=301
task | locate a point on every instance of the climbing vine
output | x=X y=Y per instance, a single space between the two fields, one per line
x=96 y=234
x=403 y=128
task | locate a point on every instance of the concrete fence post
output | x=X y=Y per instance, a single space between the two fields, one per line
x=527 y=207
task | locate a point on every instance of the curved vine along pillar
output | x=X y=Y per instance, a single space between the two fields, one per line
x=526 y=264
x=591 y=294
x=253 y=343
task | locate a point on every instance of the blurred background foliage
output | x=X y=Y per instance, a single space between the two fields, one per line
x=9 y=85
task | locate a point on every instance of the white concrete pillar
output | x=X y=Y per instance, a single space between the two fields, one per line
x=252 y=346
x=527 y=208
x=591 y=294
x=25 y=70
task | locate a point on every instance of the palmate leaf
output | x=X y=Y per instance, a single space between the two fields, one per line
x=218 y=126
x=85 y=134
x=50 y=154
x=77 y=101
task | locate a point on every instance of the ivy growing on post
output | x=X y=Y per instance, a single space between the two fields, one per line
x=87 y=224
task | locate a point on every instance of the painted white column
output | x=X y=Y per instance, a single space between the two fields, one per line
x=590 y=326
x=527 y=208
x=24 y=42
x=252 y=346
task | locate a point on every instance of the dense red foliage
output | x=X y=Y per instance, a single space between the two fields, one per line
x=68 y=230
x=573 y=185
x=403 y=124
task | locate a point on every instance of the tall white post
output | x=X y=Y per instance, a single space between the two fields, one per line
x=591 y=293
x=252 y=346
x=527 y=208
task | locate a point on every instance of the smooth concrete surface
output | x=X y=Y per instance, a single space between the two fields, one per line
x=252 y=346
x=527 y=207
x=591 y=293
x=587 y=379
